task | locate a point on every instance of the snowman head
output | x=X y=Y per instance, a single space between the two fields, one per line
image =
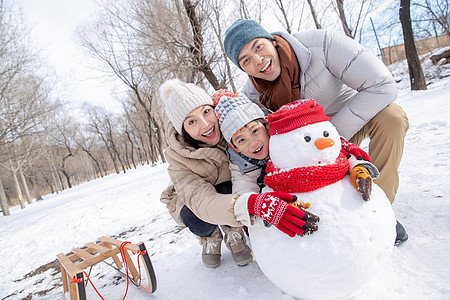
x=301 y=135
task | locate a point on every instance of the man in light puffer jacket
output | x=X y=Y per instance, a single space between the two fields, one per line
x=355 y=88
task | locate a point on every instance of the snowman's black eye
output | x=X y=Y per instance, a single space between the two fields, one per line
x=326 y=134
x=307 y=138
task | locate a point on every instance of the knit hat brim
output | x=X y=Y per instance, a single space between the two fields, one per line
x=240 y=34
x=182 y=98
x=295 y=115
x=236 y=112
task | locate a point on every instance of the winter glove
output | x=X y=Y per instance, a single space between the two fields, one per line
x=362 y=181
x=350 y=148
x=273 y=208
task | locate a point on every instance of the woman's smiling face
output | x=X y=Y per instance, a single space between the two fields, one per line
x=202 y=125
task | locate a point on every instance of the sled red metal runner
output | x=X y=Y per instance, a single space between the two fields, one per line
x=72 y=265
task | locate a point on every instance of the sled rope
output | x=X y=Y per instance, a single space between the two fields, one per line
x=122 y=253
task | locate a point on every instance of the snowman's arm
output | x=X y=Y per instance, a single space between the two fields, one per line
x=353 y=161
x=362 y=174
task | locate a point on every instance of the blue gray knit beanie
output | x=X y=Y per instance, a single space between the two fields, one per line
x=239 y=34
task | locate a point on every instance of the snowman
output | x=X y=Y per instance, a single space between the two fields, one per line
x=354 y=237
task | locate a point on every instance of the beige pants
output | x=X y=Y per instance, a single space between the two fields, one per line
x=387 y=132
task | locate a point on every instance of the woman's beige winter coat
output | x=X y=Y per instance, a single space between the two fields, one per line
x=194 y=173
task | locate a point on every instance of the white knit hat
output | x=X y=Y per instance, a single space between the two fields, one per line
x=180 y=99
x=236 y=112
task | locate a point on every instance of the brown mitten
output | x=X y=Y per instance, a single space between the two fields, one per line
x=300 y=204
x=362 y=181
x=303 y=206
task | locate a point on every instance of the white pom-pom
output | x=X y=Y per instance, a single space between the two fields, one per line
x=167 y=88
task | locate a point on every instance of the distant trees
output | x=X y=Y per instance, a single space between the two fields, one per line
x=47 y=146
x=24 y=107
x=432 y=15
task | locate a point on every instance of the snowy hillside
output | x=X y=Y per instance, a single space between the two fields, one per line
x=126 y=206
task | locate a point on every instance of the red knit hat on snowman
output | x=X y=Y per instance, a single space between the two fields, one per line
x=295 y=115
x=304 y=112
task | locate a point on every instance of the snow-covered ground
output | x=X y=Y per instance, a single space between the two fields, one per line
x=127 y=205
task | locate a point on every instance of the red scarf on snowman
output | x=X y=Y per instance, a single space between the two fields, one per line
x=305 y=179
x=302 y=179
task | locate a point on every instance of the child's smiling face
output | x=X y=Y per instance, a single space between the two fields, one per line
x=252 y=140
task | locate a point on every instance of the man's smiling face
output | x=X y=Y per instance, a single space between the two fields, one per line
x=259 y=58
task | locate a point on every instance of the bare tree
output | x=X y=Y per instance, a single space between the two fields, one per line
x=314 y=14
x=89 y=145
x=112 y=41
x=284 y=15
x=357 y=13
x=63 y=137
x=341 y=13
x=197 y=48
x=3 y=200
x=435 y=12
x=213 y=12
x=104 y=125
x=416 y=77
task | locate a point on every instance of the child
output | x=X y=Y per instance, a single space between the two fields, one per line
x=244 y=128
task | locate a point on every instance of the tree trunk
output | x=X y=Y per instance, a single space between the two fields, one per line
x=151 y=124
x=97 y=164
x=25 y=187
x=132 y=148
x=284 y=13
x=33 y=181
x=340 y=6
x=56 y=179
x=416 y=77
x=3 y=200
x=18 y=190
x=197 y=51
x=314 y=15
x=63 y=170
x=58 y=183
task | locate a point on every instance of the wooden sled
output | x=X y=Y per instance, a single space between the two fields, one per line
x=72 y=266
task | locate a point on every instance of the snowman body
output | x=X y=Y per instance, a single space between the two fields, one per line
x=354 y=240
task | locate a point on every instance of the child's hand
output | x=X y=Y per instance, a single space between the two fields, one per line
x=273 y=208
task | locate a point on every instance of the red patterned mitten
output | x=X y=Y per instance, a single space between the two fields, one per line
x=273 y=208
x=350 y=148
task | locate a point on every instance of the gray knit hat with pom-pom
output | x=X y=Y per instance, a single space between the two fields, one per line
x=236 y=112
x=180 y=99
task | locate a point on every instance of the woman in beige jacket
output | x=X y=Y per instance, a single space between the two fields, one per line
x=200 y=194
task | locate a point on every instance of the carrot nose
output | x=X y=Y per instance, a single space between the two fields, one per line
x=323 y=143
